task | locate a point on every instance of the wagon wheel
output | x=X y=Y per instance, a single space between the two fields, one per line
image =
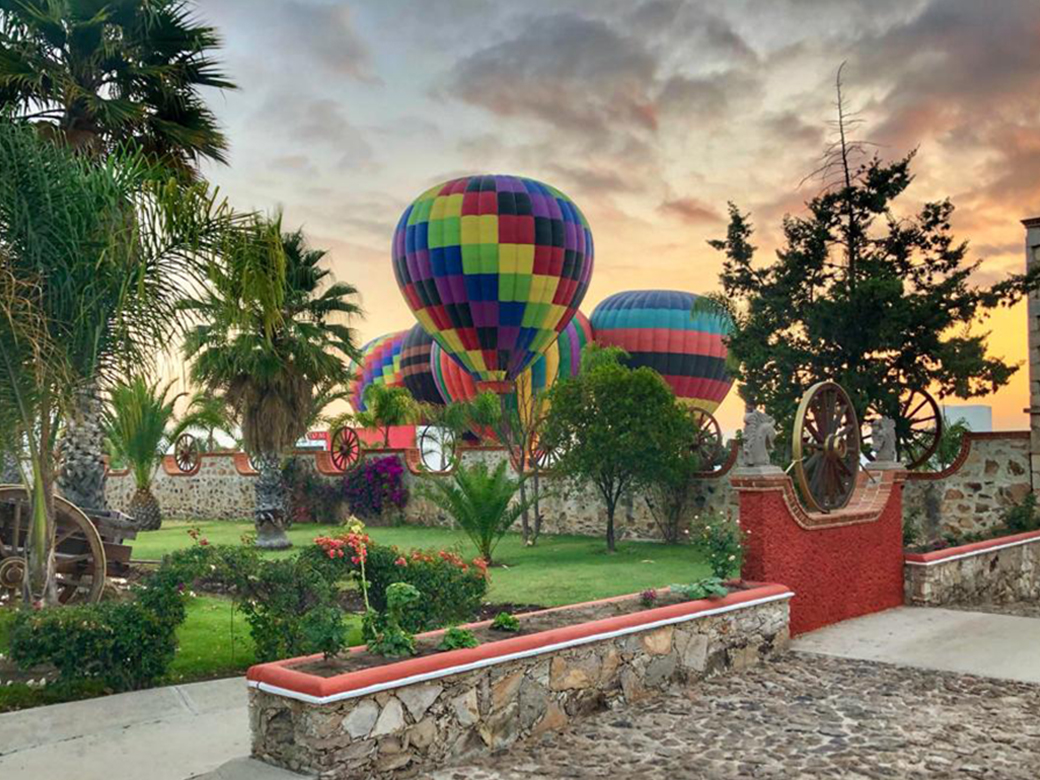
x=346 y=448
x=707 y=441
x=79 y=552
x=186 y=453
x=826 y=447
x=919 y=427
x=545 y=458
x=437 y=448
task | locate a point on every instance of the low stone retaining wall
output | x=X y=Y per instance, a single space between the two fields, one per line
x=410 y=716
x=994 y=571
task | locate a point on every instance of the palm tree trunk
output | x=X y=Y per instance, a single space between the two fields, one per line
x=271 y=513
x=10 y=472
x=82 y=478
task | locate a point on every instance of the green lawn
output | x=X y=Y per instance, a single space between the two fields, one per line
x=559 y=570
x=214 y=641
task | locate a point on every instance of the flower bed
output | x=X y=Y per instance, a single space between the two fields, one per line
x=372 y=720
x=997 y=570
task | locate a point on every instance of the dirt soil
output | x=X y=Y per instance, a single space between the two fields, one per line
x=532 y=623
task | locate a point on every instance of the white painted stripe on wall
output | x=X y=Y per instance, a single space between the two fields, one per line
x=973 y=553
x=418 y=678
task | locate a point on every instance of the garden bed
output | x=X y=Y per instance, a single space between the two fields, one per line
x=376 y=718
x=998 y=570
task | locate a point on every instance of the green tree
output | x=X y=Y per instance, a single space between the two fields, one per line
x=386 y=407
x=614 y=427
x=101 y=73
x=92 y=261
x=140 y=426
x=210 y=414
x=271 y=331
x=480 y=501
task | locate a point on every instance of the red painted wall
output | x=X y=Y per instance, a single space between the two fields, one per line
x=835 y=573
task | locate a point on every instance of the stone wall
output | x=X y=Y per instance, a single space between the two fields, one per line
x=992 y=572
x=990 y=474
x=222 y=489
x=410 y=728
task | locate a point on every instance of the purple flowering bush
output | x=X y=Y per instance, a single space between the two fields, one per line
x=376 y=487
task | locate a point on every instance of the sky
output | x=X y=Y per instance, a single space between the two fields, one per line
x=650 y=114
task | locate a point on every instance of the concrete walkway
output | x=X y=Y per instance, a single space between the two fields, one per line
x=160 y=734
x=987 y=645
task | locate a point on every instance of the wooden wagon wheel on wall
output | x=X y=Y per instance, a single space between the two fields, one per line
x=707 y=441
x=186 y=453
x=919 y=427
x=826 y=447
x=79 y=552
x=346 y=448
x=438 y=449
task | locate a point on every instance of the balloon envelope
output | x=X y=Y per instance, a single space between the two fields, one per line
x=494 y=268
x=380 y=364
x=415 y=366
x=561 y=361
x=657 y=329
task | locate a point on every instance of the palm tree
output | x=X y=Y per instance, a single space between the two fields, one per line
x=101 y=73
x=93 y=259
x=210 y=413
x=139 y=427
x=386 y=407
x=272 y=330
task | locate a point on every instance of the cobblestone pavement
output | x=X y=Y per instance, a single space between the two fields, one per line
x=799 y=716
x=1030 y=609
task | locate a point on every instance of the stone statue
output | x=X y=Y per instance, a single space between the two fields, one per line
x=883 y=439
x=759 y=437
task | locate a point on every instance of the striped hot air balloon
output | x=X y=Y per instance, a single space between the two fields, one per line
x=494 y=268
x=560 y=361
x=415 y=366
x=657 y=328
x=380 y=364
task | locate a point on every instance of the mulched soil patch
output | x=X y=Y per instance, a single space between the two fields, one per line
x=529 y=624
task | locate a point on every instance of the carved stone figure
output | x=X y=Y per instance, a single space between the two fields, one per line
x=759 y=437
x=883 y=439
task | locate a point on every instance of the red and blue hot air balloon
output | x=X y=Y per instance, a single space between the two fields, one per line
x=380 y=364
x=494 y=268
x=658 y=329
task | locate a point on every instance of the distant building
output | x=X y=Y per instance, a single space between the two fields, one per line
x=977 y=417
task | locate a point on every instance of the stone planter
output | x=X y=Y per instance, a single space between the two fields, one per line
x=417 y=714
x=994 y=571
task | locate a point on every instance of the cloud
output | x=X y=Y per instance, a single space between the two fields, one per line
x=690 y=210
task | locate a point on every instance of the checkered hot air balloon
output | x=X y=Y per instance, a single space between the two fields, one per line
x=494 y=268
x=380 y=364
x=560 y=361
x=415 y=366
x=657 y=328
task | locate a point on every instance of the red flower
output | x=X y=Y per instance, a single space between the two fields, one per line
x=401 y=562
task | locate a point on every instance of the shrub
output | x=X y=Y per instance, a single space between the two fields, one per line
x=451 y=590
x=648 y=597
x=1022 y=517
x=480 y=502
x=311 y=499
x=700 y=589
x=505 y=622
x=721 y=540
x=385 y=633
x=456 y=638
x=377 y=486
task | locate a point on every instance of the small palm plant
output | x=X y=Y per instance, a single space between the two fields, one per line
x=139 y=428
x=480 y=501
x=387 y=407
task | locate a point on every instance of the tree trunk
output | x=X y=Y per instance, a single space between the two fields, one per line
x=82 y=478
x=537 y=507
x=10 y=472
x=271 y=514
x=40 y=582
x=144 y=508
x=525 y=528
x=611 y=544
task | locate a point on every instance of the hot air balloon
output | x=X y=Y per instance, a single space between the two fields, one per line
x=415 y=366
x=494 y=268
x=560 y=361
x=380 y=364
x=657 y=329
